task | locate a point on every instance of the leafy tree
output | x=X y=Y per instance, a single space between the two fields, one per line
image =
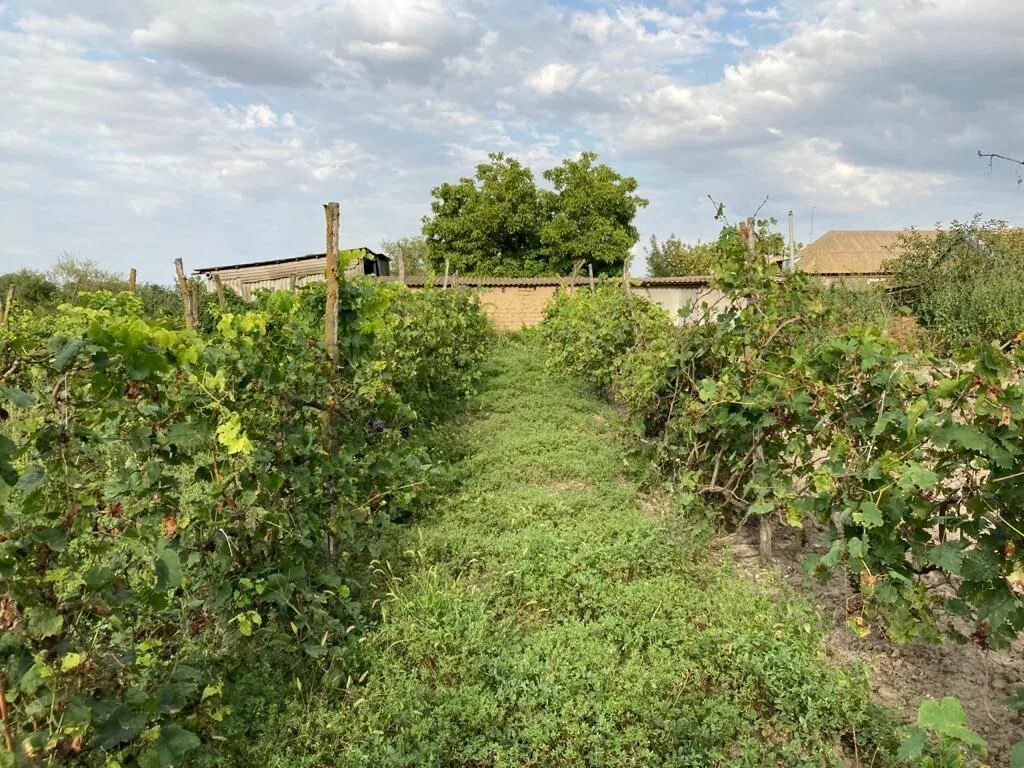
x=490 y=224
x=32 y=290
x=965 y=281
x=500 y=223
x=75 y=274
x=413 y=251
x=673 y=257
x=590 y=215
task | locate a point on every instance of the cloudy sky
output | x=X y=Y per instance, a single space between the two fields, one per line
x=134 y=133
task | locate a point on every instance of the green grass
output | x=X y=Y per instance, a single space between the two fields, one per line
x=543 y=617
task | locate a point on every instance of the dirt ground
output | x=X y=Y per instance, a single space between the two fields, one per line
x=903 y=675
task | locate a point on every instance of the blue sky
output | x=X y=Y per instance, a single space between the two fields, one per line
x=138 y=133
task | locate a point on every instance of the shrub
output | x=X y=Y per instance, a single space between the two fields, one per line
x=174 y=505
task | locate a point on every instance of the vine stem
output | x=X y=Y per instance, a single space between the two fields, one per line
x=8 y=740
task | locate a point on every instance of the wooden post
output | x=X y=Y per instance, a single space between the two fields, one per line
x=197 y=301
x=445 y=284
x=401 y=267
x=749 y=233
x=186 y=295
x=590 y=269
x=333 y=214
x=764 y=538
x=293 y=282
x=5 y=310
x=219 y=286
x=625 y=274
x=131 y=280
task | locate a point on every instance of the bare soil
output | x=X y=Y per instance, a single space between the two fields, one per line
x=901 y=675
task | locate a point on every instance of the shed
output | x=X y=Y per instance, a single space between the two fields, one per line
x=285 y=274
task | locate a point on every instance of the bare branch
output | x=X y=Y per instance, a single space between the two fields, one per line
x=992 y=155
x=763 y=202
x=719 y=210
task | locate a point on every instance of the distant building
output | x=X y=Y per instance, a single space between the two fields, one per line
x=285 y=274
x=843 y=254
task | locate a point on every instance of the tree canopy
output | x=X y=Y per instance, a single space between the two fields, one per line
x=964 y=281
x=673 y=257
x=501 y=223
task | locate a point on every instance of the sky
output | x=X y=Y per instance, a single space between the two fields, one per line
x=135 y=133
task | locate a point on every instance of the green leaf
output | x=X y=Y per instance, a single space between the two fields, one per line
x=947 y=718
x=70 y=661
x=1017 y=755
x=914 y=415
x=966 y=436
x=912 y=746
x=68 y=354
x=18 y=397
x=122 y=724
x=1016 y=701
x=168 y=570
x=947 y=556
x=231 y=436
x=175 y=744
x=31 y=478
x=918 y=476
x=44 y=622
x=869 y=515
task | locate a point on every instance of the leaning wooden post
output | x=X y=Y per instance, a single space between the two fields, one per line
x=221 y=299
x=186 y=294
x=131 y=280
x=333 y=213
x=446 y=265
x=5 y=310
x=590 y=269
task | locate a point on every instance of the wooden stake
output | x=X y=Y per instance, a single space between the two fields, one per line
x=333 y=214
x=625 y=274
x=590 y=269
x=445 y=284
x=749 y=233
x=219 y=286
x=401 y=267
x=764 y=538
x=5 y=310
x=131 y=280
x=197 y=301
x=186 y=295
x=293 y=282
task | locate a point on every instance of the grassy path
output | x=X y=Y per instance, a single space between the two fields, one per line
x=545 y=618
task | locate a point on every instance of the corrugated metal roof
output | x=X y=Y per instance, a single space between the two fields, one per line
x=851 y=252
x=291 y=260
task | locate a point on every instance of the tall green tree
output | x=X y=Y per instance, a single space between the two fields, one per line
x=489 y=224
x=500 y=223
x=590 y=215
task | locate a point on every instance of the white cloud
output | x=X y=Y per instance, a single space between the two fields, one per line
x=193 y=118
x=553 y=78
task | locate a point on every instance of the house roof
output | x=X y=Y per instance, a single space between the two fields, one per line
x=851 y=252
x=290 y=260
